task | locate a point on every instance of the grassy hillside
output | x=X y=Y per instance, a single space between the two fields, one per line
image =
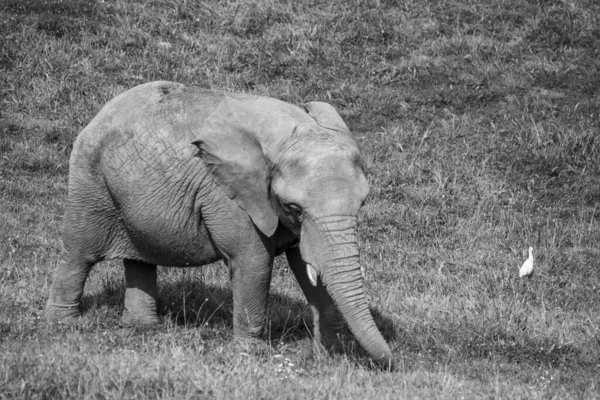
x=479 y=123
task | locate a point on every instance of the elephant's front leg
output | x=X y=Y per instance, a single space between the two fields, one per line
x=250 y=280
x=140 y=294
x=248 y=254
x=327 y=320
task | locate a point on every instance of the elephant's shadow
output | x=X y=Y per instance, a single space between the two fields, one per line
x=211 y=306
x=195 y=304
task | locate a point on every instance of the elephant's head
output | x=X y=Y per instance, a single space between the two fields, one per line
x=303 y=169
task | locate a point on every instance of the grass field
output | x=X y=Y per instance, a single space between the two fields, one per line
x=480 y=125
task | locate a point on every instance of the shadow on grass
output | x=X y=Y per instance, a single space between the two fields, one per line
x=209 y=308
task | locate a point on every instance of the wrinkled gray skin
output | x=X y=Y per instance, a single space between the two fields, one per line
x=177 y=176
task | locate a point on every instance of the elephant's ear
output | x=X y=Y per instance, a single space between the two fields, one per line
x=326 y=116
x=237 y=163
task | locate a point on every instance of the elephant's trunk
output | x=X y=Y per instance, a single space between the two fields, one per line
x=341 y=275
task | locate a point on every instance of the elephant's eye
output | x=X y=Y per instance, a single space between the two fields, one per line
x=296 y=210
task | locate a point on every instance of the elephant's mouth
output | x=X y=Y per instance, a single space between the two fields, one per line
x=288 y=246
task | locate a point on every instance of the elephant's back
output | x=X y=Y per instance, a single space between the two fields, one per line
x=149 y=126
x=134 y=171
x=123 y=119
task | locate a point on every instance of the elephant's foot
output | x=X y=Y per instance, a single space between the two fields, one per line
x=327 y=326
x=61 y=311
x=141 y=293
x=66 y=289
x=133 y=319
x=332 y=341
x=140 y=308
x=329 y=343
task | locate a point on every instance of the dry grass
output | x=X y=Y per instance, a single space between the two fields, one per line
x=479 y=124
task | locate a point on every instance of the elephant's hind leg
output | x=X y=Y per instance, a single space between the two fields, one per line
x=67 y=287
x=141 y=293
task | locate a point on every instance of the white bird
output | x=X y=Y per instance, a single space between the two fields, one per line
x=527 y=267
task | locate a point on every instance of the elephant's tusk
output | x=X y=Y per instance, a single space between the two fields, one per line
x=312 y=274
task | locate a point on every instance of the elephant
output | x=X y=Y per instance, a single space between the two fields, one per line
x=172 y=175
